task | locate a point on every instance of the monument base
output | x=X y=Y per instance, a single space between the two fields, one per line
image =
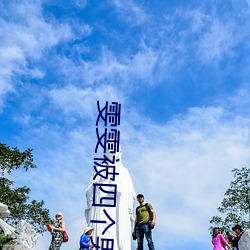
x=12 y=247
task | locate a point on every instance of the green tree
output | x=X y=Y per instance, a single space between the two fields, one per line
x=235 y=207
x=17 y=199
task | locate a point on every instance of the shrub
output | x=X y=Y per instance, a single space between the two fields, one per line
x=6 y=240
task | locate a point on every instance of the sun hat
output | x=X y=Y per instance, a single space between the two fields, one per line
x=59 y=213
x=88 y=229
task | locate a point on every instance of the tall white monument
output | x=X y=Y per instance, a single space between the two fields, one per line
x=122 y=213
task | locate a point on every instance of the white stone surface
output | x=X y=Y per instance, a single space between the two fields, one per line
x=14 y=247
x=4 y=212
x=7 y=229
x=25 y=235
x=122 y=214
x=244 y=242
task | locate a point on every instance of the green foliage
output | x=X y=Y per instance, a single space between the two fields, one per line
x=11 y=159
x=17 y=199
x=235 y=206
x=6 y=240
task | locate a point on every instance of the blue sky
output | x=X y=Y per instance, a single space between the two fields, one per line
x=180 y=70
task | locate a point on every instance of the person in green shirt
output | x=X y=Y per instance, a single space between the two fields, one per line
x=144 y=223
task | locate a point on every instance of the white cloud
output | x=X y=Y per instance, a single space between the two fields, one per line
x=240 y=100
x=143 y=63
x=78 y=102
x=123 y=70
x=217 y=42
x=105 y=69
x=31 y=33
x=198 y=19
x=191 y=34
x=131 y=12
x=10 y=58
x=25 y=35
x=80 y=3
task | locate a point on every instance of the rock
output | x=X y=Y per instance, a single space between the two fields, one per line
x=25 y=235
x=244 y=242
x=4 y=212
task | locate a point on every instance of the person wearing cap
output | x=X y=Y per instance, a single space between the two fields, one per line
x=85 y=239
x=142 y=226
x=239 y=231
x=56 y=231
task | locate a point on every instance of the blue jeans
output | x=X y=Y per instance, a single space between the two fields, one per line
x=142 y=230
